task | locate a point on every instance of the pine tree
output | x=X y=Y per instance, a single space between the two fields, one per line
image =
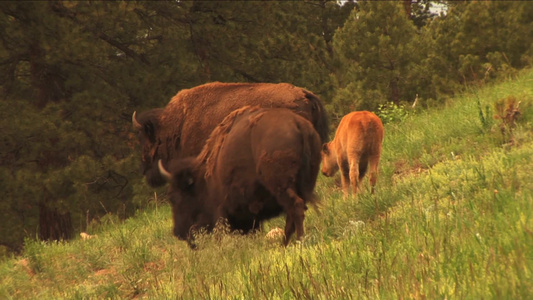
x=376 y=49
x=478 y=41
x=72 y=73
x=66 y=147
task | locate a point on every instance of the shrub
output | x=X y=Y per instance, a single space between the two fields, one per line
x=391 y=112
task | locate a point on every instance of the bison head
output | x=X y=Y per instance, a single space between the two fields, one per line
x=187 y=196
x=329 y=160
x=147 y=124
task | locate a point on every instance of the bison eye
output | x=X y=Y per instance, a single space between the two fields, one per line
x=185 y=181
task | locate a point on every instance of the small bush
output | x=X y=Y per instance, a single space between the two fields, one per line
x=391 y=112
x=508 y=110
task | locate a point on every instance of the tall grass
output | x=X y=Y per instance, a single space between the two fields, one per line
x=451 y=218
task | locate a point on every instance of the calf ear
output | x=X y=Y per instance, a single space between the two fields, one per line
x=325 y=149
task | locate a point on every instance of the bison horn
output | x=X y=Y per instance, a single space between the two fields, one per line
x=166 y=174
x=136 y=124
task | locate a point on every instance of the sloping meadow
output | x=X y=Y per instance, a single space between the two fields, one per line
x=451 y=218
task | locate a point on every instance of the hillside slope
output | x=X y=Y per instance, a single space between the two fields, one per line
x=451 y=218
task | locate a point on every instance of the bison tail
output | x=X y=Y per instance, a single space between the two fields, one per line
x=309 y=167
x=319 y=116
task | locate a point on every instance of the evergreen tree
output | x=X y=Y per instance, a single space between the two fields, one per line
x=65 y=133
x=421 y=13
x=478 y=41
x=72 y=73
x=376 y=49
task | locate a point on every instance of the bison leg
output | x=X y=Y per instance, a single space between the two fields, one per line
x=374 y=162
x=289 y=228
x=354 y=175
x=295 y=208
x=345 y=175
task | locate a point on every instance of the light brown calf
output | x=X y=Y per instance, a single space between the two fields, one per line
x=356 y=145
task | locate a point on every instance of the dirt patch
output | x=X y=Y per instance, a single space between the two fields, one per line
x=25 y=265
x=104 y=272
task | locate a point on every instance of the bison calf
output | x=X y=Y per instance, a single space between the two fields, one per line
x=356 y=145
x=256 y=164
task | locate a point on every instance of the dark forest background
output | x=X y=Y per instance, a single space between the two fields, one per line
x=72 y=73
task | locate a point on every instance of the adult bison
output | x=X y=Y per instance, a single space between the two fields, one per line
x=256 y=164
x=182 y=127
x=357 y=144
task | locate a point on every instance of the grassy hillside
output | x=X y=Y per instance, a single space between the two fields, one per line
x=452 y=217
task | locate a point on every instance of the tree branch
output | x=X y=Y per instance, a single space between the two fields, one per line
x=123 y=48
x=65 y=13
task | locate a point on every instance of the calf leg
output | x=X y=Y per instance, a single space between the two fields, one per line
x=354 y=173
x=345 y=175
x=374 y=162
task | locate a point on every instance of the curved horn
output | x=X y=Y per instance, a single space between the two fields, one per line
x=164 y=173
x=136 y=124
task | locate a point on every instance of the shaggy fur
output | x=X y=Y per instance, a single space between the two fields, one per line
x=257 y=164
x=188 y=119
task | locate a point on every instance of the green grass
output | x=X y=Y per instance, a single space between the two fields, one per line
x=451 y=219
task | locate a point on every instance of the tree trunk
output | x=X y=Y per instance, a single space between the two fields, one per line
x=395 y=92
x=54 y=225
x=407 y=6
x=49 y=87
x=45 y=79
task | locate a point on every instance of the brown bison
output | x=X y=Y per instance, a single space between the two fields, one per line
x=182 y=127
x=256 y=164
x=357 y=144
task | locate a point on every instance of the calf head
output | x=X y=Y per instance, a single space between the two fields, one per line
x=147 y=124
x=329 y=160
x=187 y=192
